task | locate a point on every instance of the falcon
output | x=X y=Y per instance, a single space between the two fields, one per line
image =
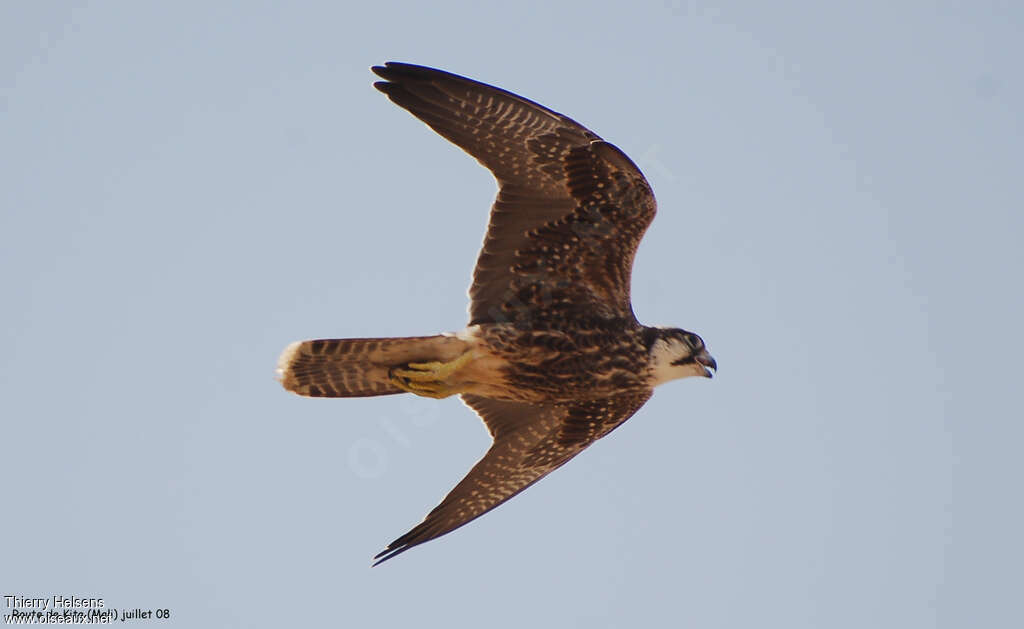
x=553 y=357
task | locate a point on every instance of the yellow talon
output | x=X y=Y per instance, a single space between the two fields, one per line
x=430 y=379
x=433 y=390
x=420 y=372
x=427 y=366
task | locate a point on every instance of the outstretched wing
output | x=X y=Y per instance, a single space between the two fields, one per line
x=571 y=208
x=530 y=442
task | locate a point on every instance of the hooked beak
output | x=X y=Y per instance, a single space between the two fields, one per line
x=708 y=362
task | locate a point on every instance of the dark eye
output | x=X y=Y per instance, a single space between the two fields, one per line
x=694 y=341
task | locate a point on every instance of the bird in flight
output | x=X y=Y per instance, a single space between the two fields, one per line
x=553 y=357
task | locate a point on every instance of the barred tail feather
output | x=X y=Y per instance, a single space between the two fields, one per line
x=357 y=367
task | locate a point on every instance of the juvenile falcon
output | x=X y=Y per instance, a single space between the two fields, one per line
x=553 y=357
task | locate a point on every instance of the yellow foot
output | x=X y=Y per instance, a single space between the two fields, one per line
x=430 y=379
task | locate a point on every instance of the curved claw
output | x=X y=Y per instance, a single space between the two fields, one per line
x=420 y=372
x=430 y=379
x=436 y=390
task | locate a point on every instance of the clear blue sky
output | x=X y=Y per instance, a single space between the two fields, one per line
x=187 y=187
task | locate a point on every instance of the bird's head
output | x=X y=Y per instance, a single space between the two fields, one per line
x=676 y=353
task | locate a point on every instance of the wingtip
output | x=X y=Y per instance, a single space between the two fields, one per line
x=391 y=72
x=388 y=553
x=398 y=71
x=389 y=69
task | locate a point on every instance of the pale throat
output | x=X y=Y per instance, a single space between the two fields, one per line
x=662 y=355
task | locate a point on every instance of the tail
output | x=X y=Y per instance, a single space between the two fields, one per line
x=358 y=367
